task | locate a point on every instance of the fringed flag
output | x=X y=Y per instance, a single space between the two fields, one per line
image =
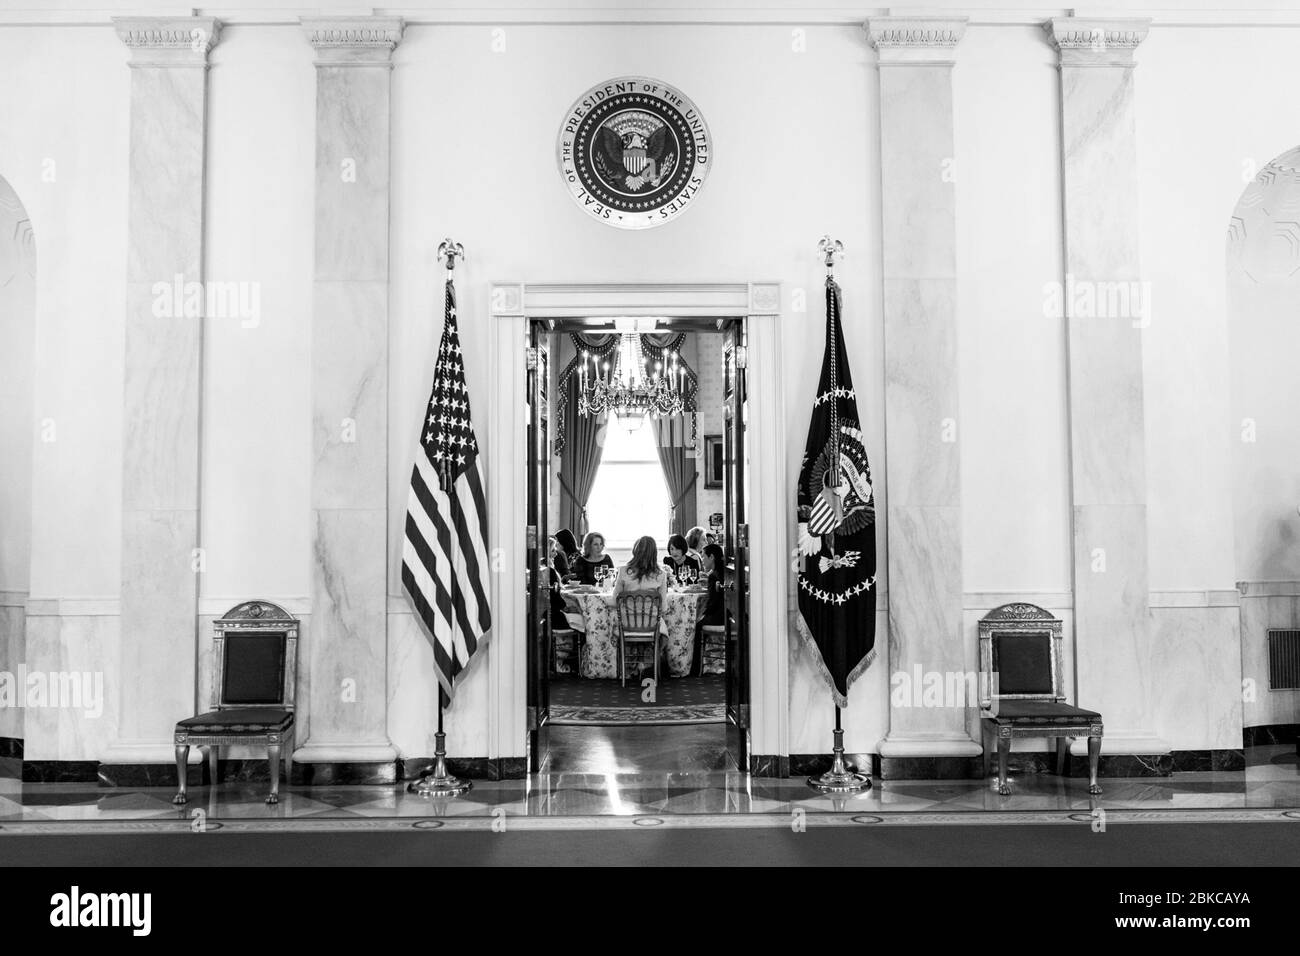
x=837 y=524
x=444 y=556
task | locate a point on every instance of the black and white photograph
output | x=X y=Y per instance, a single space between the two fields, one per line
x=617 y=433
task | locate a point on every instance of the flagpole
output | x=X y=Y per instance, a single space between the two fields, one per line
x=438 y=781
x=840 y=778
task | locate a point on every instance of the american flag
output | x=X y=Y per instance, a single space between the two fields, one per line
x=444 y=556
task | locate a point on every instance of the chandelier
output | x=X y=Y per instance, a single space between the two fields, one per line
x=630 y=389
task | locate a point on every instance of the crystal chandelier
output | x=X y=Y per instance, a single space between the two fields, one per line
x=630 y=390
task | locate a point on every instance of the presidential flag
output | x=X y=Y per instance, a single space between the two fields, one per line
x=837 y=524
x=444 y=556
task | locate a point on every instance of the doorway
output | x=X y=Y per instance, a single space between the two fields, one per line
x=622 y=465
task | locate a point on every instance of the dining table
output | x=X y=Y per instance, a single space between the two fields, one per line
x=592 y=611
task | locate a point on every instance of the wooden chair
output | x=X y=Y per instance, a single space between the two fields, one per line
x=255 y=652
x=1020 y=689
x=565 y=649
x=638 y=623
x=713 y=646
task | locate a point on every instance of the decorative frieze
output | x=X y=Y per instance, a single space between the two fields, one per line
x=915 y=40
x=353 y=41
x=168 y=41
x=1096 y=42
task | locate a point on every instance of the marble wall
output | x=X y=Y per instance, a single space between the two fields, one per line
x=287 y=487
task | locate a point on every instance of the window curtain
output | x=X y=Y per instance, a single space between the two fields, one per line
x=678 y=461
x=579 y=461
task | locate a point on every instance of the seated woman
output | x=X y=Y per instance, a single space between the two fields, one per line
x=679 y=560
x=641 y=573
x=715 y=566
x=696 y=539
x=593 y=556
x=565 y=551
x=715 y=607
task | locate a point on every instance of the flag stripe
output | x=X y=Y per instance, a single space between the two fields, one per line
x=444 y=555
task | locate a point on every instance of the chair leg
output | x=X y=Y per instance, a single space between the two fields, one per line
x=1094 y=758
x=288 y=762
x=1062 y=754
x=656 y=647
x=622 y=664
x=986 y=736
x=273 y=758
x=182 y=758
x=214 y=778
x=1004 y=751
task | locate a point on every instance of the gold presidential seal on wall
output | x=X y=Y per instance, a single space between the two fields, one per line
x=634 y=152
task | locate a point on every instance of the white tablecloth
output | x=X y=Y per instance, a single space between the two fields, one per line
x=593 y=613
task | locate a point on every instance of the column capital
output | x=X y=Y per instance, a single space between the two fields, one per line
x=1096 y=41
x=353 y=41
x=168 y=41
x=916 y=40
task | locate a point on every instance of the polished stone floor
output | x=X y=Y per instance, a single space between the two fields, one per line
x=619 y=776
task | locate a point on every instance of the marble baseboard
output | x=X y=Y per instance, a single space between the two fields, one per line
x=60 y=771
x=343 y=772
x=1218 y=761
x=931 y=768
x=148 y=774
x=1271 y=734
x=769 y=765
x=11 y=748
x=242 y=770
x=1123 y=765
x=469 y=768
x=809 y=765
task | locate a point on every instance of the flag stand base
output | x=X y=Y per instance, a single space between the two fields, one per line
x=437 y=781
x=840 y=779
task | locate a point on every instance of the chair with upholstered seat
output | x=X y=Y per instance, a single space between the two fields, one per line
x=713 y=648
x=638 y=624
x=566 y=651
x=254 y=652
x=1020 y=690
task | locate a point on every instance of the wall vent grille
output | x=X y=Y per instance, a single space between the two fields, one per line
x=1284 y=659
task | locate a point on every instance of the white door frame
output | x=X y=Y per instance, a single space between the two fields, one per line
x=771 y=516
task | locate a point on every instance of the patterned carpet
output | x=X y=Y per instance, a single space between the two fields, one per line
x=681 y=700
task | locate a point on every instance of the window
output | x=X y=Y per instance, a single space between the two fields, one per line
x=629 y=497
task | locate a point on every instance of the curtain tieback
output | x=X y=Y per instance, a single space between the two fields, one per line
x=582 y=505
x=685 y=491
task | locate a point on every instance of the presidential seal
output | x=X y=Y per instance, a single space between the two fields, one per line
x=634 y=152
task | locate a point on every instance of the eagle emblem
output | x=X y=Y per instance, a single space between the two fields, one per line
x=842 y=498
x=634 y=149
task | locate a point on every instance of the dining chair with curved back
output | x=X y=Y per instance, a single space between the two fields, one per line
x=638 y=623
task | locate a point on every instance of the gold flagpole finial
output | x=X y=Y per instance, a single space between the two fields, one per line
x=448 y=250
x=830 y=248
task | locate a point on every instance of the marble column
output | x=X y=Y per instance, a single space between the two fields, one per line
x=922 y=424
x=160 y=442
x=1104 y=336
x=347 y=642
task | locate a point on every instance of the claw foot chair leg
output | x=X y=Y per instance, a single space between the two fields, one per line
x=1004 y=751
x=182 y=758
x=273 y=758
x=1094 y=758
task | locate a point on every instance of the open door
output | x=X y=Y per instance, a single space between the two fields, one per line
x=736 y=543
x=536 y=536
